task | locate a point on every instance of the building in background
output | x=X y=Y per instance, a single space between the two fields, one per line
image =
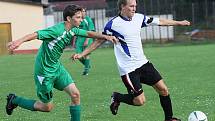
x=19 y=17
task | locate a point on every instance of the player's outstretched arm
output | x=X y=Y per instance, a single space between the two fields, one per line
x=89 y=49
x=97 y=35
x=15 y=44
x=168 y=22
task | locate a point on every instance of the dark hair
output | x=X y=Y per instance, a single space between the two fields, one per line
x=70 y=10
x=120 y=3
x=84 y=9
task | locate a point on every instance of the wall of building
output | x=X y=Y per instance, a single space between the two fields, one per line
x=24 y=19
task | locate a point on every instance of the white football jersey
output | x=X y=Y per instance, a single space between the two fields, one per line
x=128 y=51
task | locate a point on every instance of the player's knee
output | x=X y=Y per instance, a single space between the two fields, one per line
x=164 y=92
x=48 y=108
x=44 y=107
x=139 y=101
x=75 y=97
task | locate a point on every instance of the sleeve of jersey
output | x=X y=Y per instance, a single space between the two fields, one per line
x=91 y=26
x=107 y=29
x=78 y=32
x=45 y=34
x=150 y=21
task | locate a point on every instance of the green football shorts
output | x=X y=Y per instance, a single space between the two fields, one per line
x=45 y=84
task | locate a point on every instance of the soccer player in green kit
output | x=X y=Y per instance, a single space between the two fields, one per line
x=49 y=73
x=83 y=42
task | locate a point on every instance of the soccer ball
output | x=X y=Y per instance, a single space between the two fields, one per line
x=197 y=116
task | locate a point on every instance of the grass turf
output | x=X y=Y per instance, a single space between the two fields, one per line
x=187 y=70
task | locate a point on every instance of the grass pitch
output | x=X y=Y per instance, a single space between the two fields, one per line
x=187 y=70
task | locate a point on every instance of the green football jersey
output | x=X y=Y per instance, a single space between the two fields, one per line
x=86 y=24
x=55 y=39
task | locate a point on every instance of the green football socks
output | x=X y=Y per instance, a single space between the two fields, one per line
x=87 y=64
x=82 y=60
x=75 y=112
x=24 y=103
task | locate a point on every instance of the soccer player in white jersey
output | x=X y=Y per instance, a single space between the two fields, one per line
x=134 y=68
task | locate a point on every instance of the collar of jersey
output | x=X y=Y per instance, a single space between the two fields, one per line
x=124 y=18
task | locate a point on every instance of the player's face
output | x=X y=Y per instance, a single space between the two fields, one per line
x=129 y=9
x=83 y=13
x=76 y=19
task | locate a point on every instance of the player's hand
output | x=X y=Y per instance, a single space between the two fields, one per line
x=14 y=44
x=113 y=39
x=184 y=23
x=76 y=56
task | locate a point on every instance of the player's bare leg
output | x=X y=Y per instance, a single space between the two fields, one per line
x=43 y=107
x=75 y=108
x=165 y=100
x=139 y=100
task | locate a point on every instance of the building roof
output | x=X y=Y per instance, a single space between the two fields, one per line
x=25 y=2
x=89 y=4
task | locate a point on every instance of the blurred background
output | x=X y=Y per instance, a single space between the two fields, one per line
x=188 y=70
x=19 y=17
